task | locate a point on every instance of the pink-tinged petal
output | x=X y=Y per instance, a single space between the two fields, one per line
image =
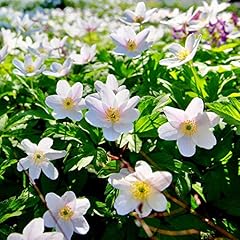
x=23 y=164
x=34 y=172
x=122 y=96
x=186 y=146
x=123 y=127
x=66 y=227
x=68 y=197
x=127 y=33
x=51 y=236
x=28 y=60
x=15 y=236
x=157 y=201
x=63 y=88
x=133 y=101
x=54 y=202
x=175 y=116
x=194 y=50
x=204 y=138
x=54 y=101
x=95 y=104
x=28 y=146
x=125 y=204
x=142 y=36
x=45 y=144
x=118 y=40
x=75 y=116
x=194 y=108
x=143 y=170
x=107 y=96
x=189 y=44
x=140 y=9
x=144 y=46
x=55 y=154
x=110 y=134
x=81 y=207
x=117 y=180
x=160 y=180
x=76 y=91
x=112 y=82
x=213 y=118
x=93 y=118
x=143 y=210
x=18 y=64
x=202 y=121
x=169 y=62
x=34 y=229
x=49 y=221
x=175 y=48
x=80 y=225
x=50 y=171
x=129 y=116
x=168 y=132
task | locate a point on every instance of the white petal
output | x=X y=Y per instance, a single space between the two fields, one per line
x=123 y=127
x=45 y=144
x=76 y=91
x=112 y=82
x=107 y=96
x=55 y=67
x=68 y=197
x=129 y=116
x=34 y=228
x=15 y=236
x=168 y=132
x=141 y=37
x=143 y=210
x=213 y=118
x=157 y=201
x=66 y=227
x=93 y=118
x=204 y=138
x=28 y=146
x=140 y=9
x=117 y=180
x=195 y=107
x=50 y=171
x=143 y=170
x=175 y=48
x=54 y=101
x=55 y=154
x=82 y=205
x=160 y=180
x=51 y=236
x=171 y=62
x=80 y=225
x=62 y=88
x=18 y=64
x=175 y=116
x=49 y=221
x=34 y=172
x=74 y=115
x=23 y=164
x=95 y=104
x=186 y=146
x=110 y=134
x=27 y=60
x=122 y=96
x=54 y=202
x=133 y=101
x=189 y=44
x=125 y=204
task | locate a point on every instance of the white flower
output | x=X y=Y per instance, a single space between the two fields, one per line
x=3 y=53
x=42 y=49
x=115 y=113
x=141 y=190
x=68 y=102
x=66 y=213
x=39 y=157
x=35 y=231
x=190 y=128
x=86 y=55
x=129 y=43
x=140 y=15
x=29 y=67
x=59 y=70
x=182 y=54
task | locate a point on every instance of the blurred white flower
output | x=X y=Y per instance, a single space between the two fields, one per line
x=68 y=102
x=29 y=67
x=182 y=54
x=115 y=113
x=39 y=158
x=66 y=213
x=129 y=43
x=140 y=15
x=86 y=55
x=3 y=52
x=41 y=49
x=35 y=231
x=190 y=128
x=140 y=190
x=59 y=70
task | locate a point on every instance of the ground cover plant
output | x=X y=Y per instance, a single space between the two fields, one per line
x=119 y=119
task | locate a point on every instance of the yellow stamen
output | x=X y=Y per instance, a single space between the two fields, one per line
x=65 y=213
x=39 y=157
x=30 y=68
x=183 y=54
x=131 y=45
x=112 y=115
x=188 y=128
x=141 y=190
x=138 y=19
x=68 y=103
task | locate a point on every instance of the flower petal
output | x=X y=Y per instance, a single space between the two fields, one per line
x=34 y=172
x=50 y=171
x=80 y=225
x=63 y=88
x=195 y=107
x=45 y=144
x=66 y=227
x=160 y=180
x=110 y=134
x=82 y=205
x=168 y=132
x=175 y=116
x=24 y=163
x=28 y=146
x=54 y=202
x=204 y=138
x=157 y=201
x=186 y=146
x=15 y=236
x=55 y=154
x=49 y=221
x=34 y=228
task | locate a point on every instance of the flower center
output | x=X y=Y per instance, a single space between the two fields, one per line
x=68 y=103
x=39 y=157
x=183 y=54
x=141 y=190
x=65 y=213
x=42 y=50
x=131 y=45
x=138 y=19
x=112 y=115
x=30 y=69
x=188 y=128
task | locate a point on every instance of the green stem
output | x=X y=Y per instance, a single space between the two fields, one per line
x=197 y=80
